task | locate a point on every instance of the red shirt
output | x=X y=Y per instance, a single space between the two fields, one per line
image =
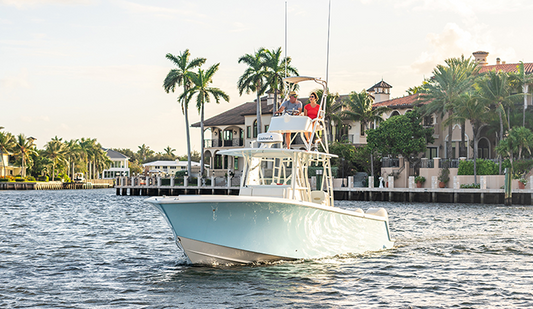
x=312 y=112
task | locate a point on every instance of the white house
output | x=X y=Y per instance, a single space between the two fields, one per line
x=171 y=167
x=119 y=165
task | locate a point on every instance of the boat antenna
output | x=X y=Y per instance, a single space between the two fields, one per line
x=285 y=38
x=327 y=53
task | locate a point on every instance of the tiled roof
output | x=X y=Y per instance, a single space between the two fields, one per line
x=508 y=67
x=407 y=101
x=235 y=116
x=381 y=84
x=115 y=155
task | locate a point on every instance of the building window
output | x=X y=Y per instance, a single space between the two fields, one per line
x=236 y=163
x=248 y=132
x=255 y=128
x=432 y=152
x=266 y=128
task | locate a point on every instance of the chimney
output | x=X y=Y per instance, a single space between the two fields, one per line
x=497 y=60
x=481 y=57
x=270 y=98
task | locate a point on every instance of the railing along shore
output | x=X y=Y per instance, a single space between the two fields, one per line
x=344 y=189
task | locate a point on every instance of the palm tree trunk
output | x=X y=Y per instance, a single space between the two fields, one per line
x=259 y=125
x=475 y=154
x=449 y=149
x=500 y=138
x=202 y=146
x=463 y=152
x=186 y=114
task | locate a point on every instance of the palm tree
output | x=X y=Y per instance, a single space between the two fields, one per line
x=477 y=111
x=144 y=152
x=57 y=152
x=73 y=153
x=520 y=83
x=253 y=79
x=203 y=92
x=169 y=151
x=332 y=110
x=276 y=69
x=358 y=107
x=7 y=143
x=523 y=138
x=24 y=147
x=88 y=149
x=180 y=77
x=494 y=89
x=445 y=88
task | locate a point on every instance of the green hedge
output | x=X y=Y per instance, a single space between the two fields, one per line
x=484 y=167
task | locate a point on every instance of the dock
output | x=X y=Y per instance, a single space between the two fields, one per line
x=156 y=187
x=54 y=185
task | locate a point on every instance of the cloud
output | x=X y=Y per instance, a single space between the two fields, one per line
x=19 y=80
x=161 y=11
x=24 y=4
x=453 y=41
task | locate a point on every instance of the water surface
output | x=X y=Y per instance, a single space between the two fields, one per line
x=91 y=248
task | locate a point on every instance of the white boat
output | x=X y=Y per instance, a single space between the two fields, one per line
x=277 y=214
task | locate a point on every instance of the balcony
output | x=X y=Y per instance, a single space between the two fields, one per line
x=236 y=142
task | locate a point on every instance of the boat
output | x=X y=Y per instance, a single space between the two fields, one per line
x=279 y=214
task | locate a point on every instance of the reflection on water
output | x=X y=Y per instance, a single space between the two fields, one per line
x=91 y=248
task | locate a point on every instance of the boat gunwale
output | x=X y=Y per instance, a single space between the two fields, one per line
x=196 y=199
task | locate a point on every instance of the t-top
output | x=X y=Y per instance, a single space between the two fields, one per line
x=312 y=112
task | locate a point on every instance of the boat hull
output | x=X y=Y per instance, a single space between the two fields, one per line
x=241 y=229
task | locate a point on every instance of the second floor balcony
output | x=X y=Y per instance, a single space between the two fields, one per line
x=236 y=142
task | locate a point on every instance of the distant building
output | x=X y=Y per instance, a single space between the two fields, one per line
x=119 y=165
x=10 y=170
x=170 y=167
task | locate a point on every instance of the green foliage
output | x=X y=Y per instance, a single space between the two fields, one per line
x=401 y=135
x=180 y=174
x=420 y=179
x=471 y=186
x=520 y=167
x=30 y=178
x=346 y=151
x=484 y=167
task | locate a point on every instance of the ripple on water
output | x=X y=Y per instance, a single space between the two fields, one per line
x=91 y=248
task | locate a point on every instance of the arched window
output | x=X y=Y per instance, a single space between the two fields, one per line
x=483 y=151
x=395 y=113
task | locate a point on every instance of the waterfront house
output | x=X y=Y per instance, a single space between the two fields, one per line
x=8 y=168
x=237 y=127
x=169 y=168
x=119 y=165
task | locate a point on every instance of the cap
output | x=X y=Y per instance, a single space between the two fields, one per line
x=293 y=93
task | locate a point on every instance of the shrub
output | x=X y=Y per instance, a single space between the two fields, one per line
x=470 y=186
x=484 y=167
x=30 y=178
x=420 y=179
x=43 y=178
x=19 y=179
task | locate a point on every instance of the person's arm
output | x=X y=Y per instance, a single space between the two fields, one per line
x=305 y=111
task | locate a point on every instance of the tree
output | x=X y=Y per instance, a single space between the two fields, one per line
x=494 y=88
x=169 y=151
x=359 y=108
x=276 y=69
x=73 y=154
x=24 y=148
x=7 y=143
x=56 y=151
x=144 y=152
x=520 y=83
x=332 y=111
x=180 y=77
x=445 y=87
x=253 y=79
x=477 y=112
x=401 y=135
x=203 y=92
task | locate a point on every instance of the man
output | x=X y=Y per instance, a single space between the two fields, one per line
x=294 y=107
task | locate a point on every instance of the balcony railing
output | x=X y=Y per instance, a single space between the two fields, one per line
x=452 y=163
x=390 y=162
x=236 y=142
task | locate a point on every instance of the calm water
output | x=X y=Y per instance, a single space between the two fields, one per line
x=91 y=248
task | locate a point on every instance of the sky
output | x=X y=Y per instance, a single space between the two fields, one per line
x=95 y=68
